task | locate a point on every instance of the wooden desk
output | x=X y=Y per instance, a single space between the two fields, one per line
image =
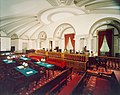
x=47 y=66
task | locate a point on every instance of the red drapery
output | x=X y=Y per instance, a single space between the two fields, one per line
x=108 y=34
x=72 y=40
x=100 y=40
x=66 y=40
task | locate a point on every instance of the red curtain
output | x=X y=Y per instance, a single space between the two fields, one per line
x=100 y=40
x=66 y=40
x=108 y=33
x=72 y=40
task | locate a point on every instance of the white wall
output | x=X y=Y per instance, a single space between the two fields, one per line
x=81 y=24
x=15 y=43
x=5 y=44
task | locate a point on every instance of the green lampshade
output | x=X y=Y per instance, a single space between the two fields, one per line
x=105 y=47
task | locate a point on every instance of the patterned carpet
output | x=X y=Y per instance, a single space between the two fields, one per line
x=100 y=70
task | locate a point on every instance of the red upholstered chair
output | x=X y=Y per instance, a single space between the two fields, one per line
x=56 y=62
x=36 y=58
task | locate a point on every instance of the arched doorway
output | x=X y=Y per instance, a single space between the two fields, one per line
x=105 y=42
x=41 y=39
x=64 y=37
x=14 y=42
x=109 y=29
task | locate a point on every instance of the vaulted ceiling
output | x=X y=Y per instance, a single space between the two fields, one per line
x=23 y=17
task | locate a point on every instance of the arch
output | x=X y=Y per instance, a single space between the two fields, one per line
x=25 y=37
x=14 y=36
x=106 y=24
x=2 y=33
x=61 y=28
x=105 y=21
x=64 y=28
x=42 y=35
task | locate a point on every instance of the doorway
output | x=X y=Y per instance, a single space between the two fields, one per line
x=105 y=42
x=50 y=45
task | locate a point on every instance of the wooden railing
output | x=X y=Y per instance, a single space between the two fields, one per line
x=77 y=61
x=54 y=54
x=112 y=62
x=76 y=57
x=77 y=65
x=40 y=52
x=109 y=62
x=55 y=84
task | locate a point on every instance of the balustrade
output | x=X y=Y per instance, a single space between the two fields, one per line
x=76 y=57
x=111 y=62
x=54 y=54
x=41 y=52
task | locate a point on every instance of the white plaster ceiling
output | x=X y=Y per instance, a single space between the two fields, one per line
x=27 y=17
x=56 y=13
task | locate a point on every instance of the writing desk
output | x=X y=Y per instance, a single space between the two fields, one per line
x=47 y=66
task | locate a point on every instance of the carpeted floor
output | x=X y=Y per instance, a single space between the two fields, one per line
x=70 y=85
x=117 y=75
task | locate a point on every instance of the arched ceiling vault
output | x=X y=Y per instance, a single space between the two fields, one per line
x=105 y=21
x=19 y=17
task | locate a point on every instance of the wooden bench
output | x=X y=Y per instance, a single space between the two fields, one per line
x=55 y=84
x=66 y=90
x=78 y=88
x=77 y=65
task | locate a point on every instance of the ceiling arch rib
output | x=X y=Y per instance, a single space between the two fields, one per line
x=4 y=23
x=18 y=27
x=109 y=11
x=9 y=26
x=47 y=15
x=60 y=29
x=30 y=31
x=97 y=28
x=23 y=28
x=17 y=30
x=54 y=16
x=36 y=31
x=14 y=36
x=60 y=2
x=53 y=2
x=15 y=17
x=69 y=2
x=81 y=3
x=105 y=21
x=97 y=5
x=28 y=28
